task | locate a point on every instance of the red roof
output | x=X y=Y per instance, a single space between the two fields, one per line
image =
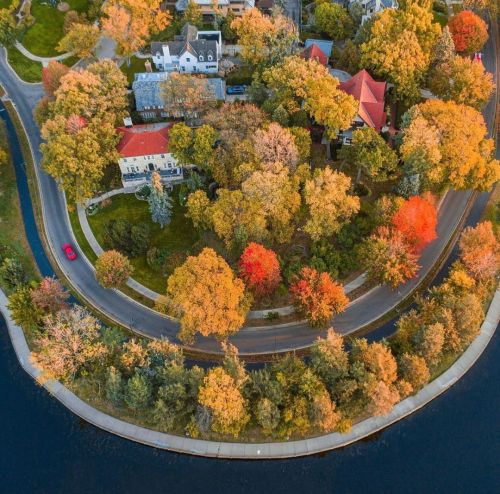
x=314 y=52
x=141 y=140
x=370 y=95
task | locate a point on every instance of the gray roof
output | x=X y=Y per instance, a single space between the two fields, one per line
x=187 y=41
x=147 y=89
x=324 y=45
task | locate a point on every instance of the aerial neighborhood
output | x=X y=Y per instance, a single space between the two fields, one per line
x=261 y=180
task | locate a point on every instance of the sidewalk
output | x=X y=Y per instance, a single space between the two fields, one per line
x=44 y=60
x=247 y=451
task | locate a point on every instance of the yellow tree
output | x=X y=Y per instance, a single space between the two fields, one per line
x=220 y=394
x=278 y=197
x=329 y=202
x=80 y=40
x=77 y=159
x=264 y=40
x=456 y=153
x=131 y=23
x=208 y=297
x=112 y=269
x=276 y=144
x=399 y=47
x=463 y=81
x=237 y=219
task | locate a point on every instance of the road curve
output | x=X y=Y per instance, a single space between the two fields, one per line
x=142 y=320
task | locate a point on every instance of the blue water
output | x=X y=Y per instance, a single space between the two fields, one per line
x=451 y=446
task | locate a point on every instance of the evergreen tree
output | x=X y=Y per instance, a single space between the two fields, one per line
x=138 y=392
x=160 y=203
x=444 y=49
x=114 y=387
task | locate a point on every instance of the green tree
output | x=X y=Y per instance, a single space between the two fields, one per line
x=192 y=14
x=160 y=203
x=9 y=31
x=333 y=20
x=12 y=273
x=370 y=154
x=138 y=392
x=22 y=310
x=114 y=387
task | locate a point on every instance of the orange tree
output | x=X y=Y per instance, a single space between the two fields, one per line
x=317 y=296
x=260 y=269
x=112 y=269
x=469 y=31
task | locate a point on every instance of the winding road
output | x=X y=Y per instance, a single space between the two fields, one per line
x=282 y=337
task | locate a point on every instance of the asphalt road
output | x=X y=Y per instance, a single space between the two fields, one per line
x=248 y=340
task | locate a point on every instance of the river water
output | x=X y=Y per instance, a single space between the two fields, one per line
x=450 y=446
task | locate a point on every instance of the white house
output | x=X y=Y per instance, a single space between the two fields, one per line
x=144 y=149
x=192 y=52
x=372 y=7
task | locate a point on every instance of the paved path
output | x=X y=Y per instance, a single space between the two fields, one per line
x=250 y=340
x=236 y=450
x=44 y=60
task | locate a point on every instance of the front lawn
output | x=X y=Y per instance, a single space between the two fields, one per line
x=26 y=69
x=136 y=65
x=178 y=237
x=42 y=38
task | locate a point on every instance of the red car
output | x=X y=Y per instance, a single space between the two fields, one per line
x=69 y=252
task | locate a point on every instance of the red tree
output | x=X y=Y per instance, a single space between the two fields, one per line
x=469 y=31
x=51 y=76
x=50 y=296
x=259 y=269
x=416 y=220
x=317 y=296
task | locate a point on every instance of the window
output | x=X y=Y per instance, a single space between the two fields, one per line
x=188 y=59
x=200 y=58
x=210 y=58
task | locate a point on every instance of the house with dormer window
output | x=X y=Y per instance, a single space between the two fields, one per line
x=191 y=52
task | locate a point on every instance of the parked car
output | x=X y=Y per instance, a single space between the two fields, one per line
x=69 y=252
x=236 y=89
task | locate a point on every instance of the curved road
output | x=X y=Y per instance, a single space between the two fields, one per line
x=140 y=319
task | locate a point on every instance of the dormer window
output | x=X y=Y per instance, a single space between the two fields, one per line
x=200 y=58
x=210 y=58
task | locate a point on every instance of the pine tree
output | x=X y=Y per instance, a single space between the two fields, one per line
x=137 y=392
x=160 y=203
x=444 y=49
x=114 y=387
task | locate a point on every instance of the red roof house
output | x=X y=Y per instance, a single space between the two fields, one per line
x=370 y=95
x=142 y=140
x=314 y=52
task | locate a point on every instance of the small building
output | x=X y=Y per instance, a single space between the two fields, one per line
x=143 y=150
x=148 y=98
x=370 y=95
x=192 y=51
x=324 y=45
x=314 y=52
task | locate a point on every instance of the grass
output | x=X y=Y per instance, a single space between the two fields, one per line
x=28 y=70
x=136 y=65
x=42 y=38
x=5 y=3
x=12 y=236
x=178 y=237
x=70 y=61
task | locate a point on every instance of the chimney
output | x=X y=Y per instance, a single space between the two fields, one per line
x=147 y=64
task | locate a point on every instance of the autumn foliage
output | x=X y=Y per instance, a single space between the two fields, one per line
x=469 y=31
x=207 y=296
x=317 y=296
x=260 y=269
x=480 y=251
x=416 y=220
x=112 y=269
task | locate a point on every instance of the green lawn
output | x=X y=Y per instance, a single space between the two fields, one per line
x=5 y=3
x=26 y=69
x=136 y=65
x=12 y=237
x=178 y=237
x=43 y=37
